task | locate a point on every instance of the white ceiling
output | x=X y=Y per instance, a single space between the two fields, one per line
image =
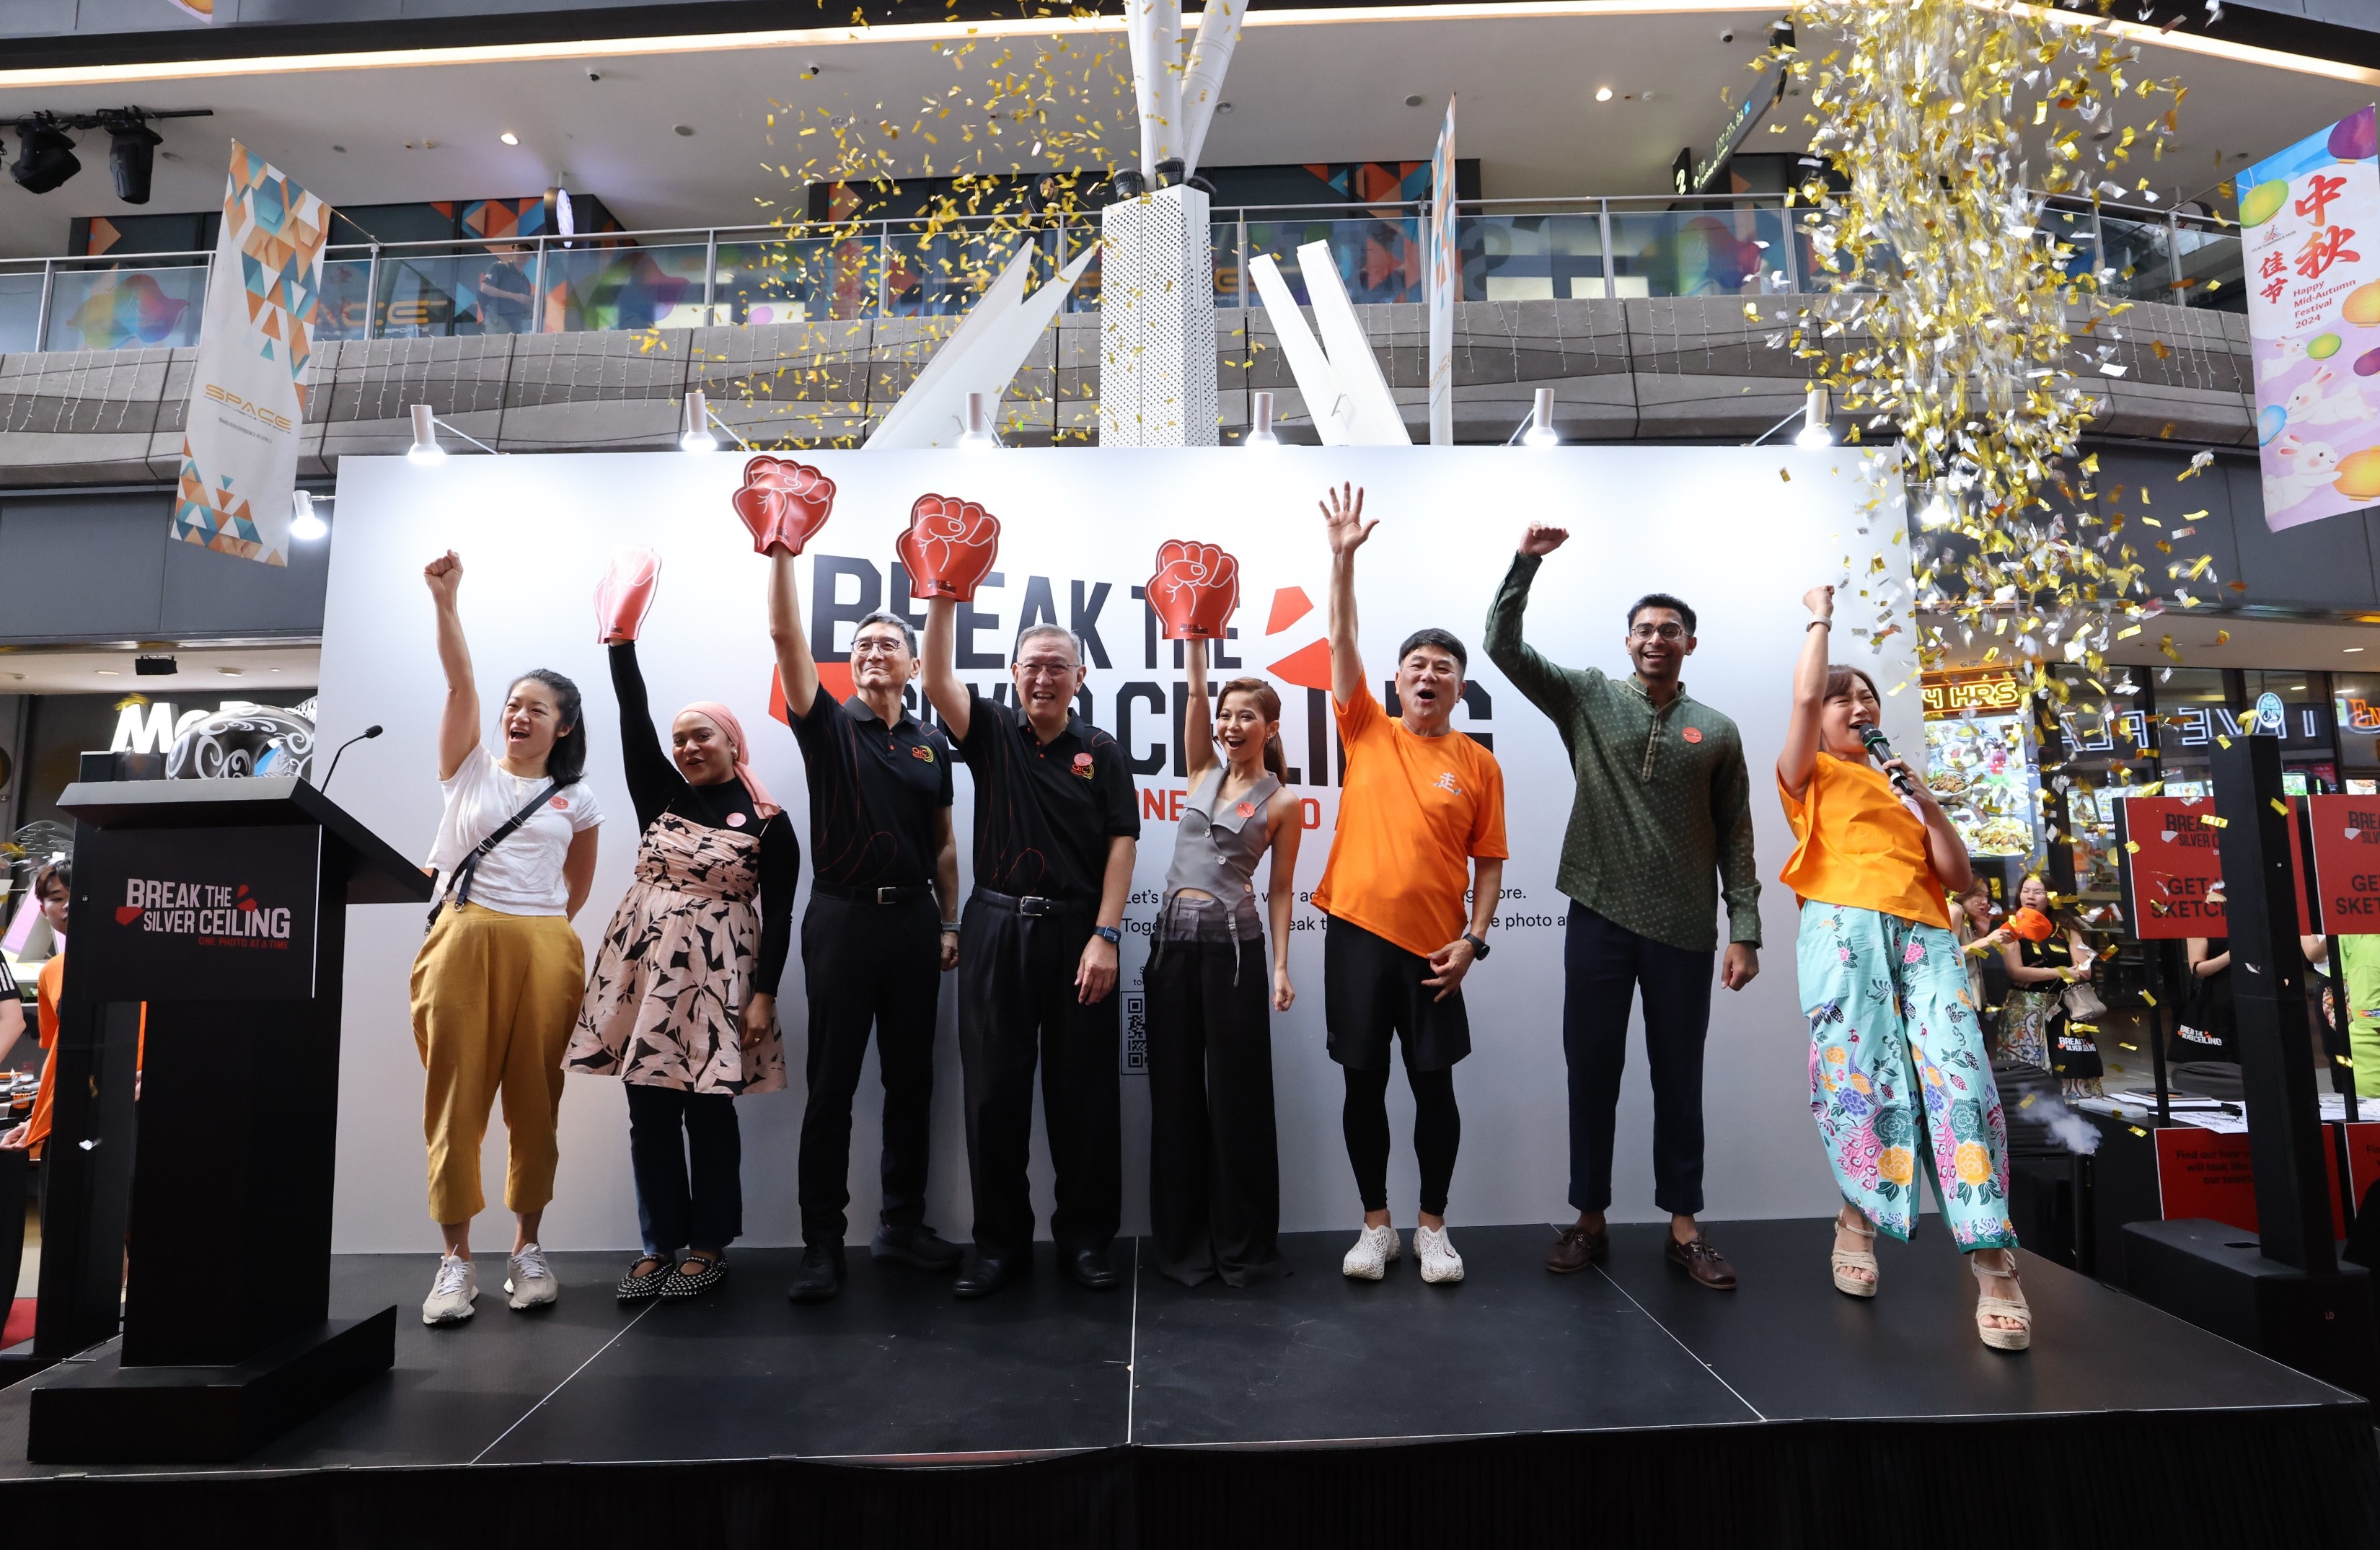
x=1311 y=86
x=204 y=677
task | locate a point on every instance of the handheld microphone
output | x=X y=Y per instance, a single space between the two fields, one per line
x=1880 y=750
x=368 y=732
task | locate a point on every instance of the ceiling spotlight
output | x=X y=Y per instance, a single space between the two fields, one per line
x=697 y=436
x=684 y=130
x=1223 y=109
x=977 y=435
x=1414 y=101
x=509 y=137
x=306 y=524
x=1603 y=93
x=1260 y=431
x=45 y=157
x=130 y=146
x=425 y=450
x=1818 y=408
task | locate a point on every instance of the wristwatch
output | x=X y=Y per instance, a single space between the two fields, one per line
x=1480 y=945
x=1109 y=934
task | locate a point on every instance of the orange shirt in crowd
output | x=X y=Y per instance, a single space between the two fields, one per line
x=52 y=981
x=1858 y=845
x=1415 y=812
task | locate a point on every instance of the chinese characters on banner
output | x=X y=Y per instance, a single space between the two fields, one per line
x=1445 y=284
x=2310 y=220
x=248 y=392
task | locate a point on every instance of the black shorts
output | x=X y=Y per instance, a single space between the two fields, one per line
x=1372 y=987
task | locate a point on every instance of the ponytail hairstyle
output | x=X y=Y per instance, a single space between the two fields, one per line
x=1267 y=704
x=567 y=763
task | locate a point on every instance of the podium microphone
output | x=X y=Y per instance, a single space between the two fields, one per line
x=375 y=732
x=1880 y=750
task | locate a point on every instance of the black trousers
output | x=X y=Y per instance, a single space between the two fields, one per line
x=688 y=1154
x=868 y=966
x=1017 y=1007
x=1214 y=1167
x=1438 y=1132
x=1604 y=965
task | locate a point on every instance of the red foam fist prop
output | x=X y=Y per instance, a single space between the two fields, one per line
x=2032 y=924
x=783 y=502
x=626 y=594
x=950 y=547
x=1195 y=589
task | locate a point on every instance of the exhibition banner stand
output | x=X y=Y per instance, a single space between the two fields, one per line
x=222 y=905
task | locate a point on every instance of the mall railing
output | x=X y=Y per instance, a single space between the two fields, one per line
x=1512 y=250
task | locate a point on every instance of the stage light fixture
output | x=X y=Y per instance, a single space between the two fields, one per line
x=1818 y=408
x=1260 y=431
x=509 y=137
x=306 y=524
x=1603 y=93
x=977 y=435
x=696 y=436
x=45 y=157
x=131 y=153
x=425 y=450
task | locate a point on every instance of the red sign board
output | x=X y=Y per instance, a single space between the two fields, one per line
x=2207 y=1173
x=2171 y=866
x=2347 y=863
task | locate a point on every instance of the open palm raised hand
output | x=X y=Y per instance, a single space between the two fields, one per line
x=1343 y=519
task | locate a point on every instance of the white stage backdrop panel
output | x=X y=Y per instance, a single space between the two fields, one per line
x=1079 y=530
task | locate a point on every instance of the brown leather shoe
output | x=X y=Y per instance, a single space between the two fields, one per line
x=1704 y=1264
x=1577 y=1248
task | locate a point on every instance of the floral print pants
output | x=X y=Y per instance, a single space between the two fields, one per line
x=1891 y=1014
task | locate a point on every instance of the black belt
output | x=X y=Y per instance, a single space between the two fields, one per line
x=1033 y=904
x=905 y=893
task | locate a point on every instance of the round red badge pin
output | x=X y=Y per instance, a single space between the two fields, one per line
x=560 y=804
x=1691 y=734
x=1247 y=809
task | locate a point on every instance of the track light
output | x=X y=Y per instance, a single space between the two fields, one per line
x=696 y=436
x=45 y=157
x=425 y=450
x=1260 y=431
x=1818 y=408
x=306 y=524
x=131 y=152
x=977 y=435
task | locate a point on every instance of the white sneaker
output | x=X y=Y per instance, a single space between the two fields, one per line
x=1439 y=1262
x=529 y=1279
x=1375 y=1248
x=452 y=1294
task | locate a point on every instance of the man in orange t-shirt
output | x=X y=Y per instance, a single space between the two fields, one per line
x=1421 y=820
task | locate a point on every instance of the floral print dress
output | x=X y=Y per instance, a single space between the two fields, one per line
x=1898 y=1071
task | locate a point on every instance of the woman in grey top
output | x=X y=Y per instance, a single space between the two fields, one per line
x=1214 y=1177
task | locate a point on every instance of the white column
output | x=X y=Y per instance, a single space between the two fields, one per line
x=1157 y=322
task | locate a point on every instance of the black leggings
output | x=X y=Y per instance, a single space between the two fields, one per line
x=1437 y=1132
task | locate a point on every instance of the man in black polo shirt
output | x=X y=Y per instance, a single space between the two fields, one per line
x=881 y=929
x=1055 y=827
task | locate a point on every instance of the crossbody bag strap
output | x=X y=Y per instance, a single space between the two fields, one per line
x=458 y=882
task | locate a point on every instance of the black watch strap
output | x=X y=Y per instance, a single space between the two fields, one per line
x=1478 y=943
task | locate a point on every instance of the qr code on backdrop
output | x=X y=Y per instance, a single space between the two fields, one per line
x=1136 y=1035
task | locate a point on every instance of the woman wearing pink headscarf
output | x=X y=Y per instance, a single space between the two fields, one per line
x=682 y=1003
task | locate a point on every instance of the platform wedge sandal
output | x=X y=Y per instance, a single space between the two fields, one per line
x=1989 y=1307
x=1846 y=1261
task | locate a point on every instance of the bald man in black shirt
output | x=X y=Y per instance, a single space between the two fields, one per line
x=1056 y=825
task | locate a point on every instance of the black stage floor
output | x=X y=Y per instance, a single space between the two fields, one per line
x=1623 y=1405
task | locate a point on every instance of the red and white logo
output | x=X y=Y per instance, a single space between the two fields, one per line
x=1083 y=765
x=1247 y=809
x=560 y=804
x=1691 y=734
x=211 y=913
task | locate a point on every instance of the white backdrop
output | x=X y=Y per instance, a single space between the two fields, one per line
x=1716 y=526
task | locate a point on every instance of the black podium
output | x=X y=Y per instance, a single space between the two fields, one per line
x=221 y=906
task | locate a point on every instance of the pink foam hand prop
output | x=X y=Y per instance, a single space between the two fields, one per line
x=626 y=594
x=1195 y=589
x=783 y=502
x=951 y=546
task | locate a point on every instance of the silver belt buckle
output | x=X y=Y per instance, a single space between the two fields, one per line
x=1033 y=904
x=886 y=895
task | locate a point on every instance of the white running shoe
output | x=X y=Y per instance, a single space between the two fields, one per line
x=1439 y=1262
x=1375 y=1248
x=452 y=1294
x=529 y=1279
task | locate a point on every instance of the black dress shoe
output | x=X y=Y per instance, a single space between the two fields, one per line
x=821 y=1276
x=916 y=1247
x=985 y=1273
x=1090 y=1267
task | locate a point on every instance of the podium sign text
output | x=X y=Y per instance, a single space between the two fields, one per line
x=207 y=915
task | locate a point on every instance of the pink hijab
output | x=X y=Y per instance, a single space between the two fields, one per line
x=725 y=719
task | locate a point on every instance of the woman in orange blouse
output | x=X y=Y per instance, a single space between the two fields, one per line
x=1892 y=1016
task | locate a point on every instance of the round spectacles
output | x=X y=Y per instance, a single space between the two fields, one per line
x=1649 y=632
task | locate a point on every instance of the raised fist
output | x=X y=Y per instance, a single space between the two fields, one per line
x=950 y=547
x=783 y=502
x=626 y=594
x=1195 y=589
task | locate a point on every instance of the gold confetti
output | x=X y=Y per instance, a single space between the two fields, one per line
x=2279 y=807
x=2210 y=821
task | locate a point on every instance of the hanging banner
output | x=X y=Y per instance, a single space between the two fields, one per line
x=1445 y=284
x=247 y=395
x=2310 y=218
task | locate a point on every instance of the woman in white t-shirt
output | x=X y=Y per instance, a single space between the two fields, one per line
x=496 y=985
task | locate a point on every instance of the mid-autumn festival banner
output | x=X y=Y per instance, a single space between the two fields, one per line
x=2310 y=224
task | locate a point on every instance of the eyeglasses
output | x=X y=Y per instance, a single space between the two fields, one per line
x=1648 y=631
x=1045 y=670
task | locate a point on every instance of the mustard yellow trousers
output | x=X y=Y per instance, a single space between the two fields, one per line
x=495 y=999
